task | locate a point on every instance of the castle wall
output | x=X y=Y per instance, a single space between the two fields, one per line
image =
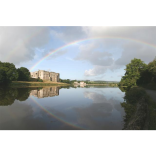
x=45 y=75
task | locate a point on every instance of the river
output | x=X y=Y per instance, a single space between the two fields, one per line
x=61 y=108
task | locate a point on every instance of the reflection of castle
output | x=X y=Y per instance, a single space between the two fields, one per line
x=82 y=84
x=46 y=92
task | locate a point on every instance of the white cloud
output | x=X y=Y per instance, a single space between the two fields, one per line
x=89 y=52
x=100 y=70
x=69 y=34
x=97 y=70
x=17 y=44
x=135 y=42
x=70 y=59
x=134 y=50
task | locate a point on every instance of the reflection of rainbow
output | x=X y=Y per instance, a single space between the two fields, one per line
x=88 y=39
x=54 y=116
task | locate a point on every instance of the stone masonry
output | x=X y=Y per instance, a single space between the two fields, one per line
x=45 y=75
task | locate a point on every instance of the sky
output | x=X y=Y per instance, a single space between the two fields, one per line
x=78 y=52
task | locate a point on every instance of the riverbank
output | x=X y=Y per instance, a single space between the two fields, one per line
x=36 y=84
x=150 y=86
x=152 y=109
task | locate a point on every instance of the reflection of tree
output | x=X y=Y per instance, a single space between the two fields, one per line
x=67 y=87
x=129 y=111
x=123 y=89
x=135 y=107
x=8 y=95
x=23 y=93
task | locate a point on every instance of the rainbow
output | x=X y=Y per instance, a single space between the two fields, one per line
x=88 y=39
x=54 y=116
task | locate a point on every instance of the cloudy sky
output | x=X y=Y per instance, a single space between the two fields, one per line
x=95 y=53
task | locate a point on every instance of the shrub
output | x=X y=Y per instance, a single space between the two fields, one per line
x=40 y=80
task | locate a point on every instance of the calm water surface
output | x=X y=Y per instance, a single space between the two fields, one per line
x=56 y=108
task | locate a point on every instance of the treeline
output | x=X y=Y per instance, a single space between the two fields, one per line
x=71 y=81
x=67 y=81
x=102 y=82
x=139 y=73
x=9 y=73
x=87 y=82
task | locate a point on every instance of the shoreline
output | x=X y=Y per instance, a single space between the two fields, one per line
x=102 y=84
x=35 y=84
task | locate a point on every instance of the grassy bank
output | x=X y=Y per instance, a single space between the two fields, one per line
x=139 y=110
x=36 y=84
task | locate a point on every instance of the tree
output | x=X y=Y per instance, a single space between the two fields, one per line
x=152 y=70
x=3 y=79
x=133 y=72
x=145 y=77
x=24 y=74
x=8 y=72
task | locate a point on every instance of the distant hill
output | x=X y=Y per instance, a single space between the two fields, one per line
x=99 y=81
x=106 y=81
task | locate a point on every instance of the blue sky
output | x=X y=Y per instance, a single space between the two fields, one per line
x=99 y=57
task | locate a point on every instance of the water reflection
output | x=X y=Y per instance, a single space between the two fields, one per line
x=8 y=95
x=81 y=85
x=104 y=113
x=65 y=108
x=46 y=92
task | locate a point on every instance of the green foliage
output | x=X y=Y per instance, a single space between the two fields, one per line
x=145 y=77
x=66 y=81
x=123 y=89
x=152 y=70
x=9 y=72
x=133 y=72
x=24 y=74
x=40 y=80
x=149 y=75
x=3 y=78
x=138 y=73
x=33 y=80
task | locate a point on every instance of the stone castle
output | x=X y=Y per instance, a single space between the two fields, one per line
x=45 y=75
